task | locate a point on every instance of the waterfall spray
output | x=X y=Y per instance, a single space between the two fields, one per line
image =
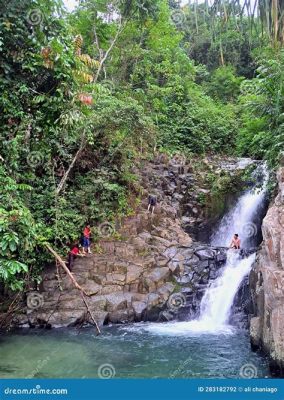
x=219 y=296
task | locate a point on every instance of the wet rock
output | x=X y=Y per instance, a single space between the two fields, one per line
x=255 y=331
x=57 y=319
x=139 y=308
x=166 y=316
x=121 y=316
x=205 y=254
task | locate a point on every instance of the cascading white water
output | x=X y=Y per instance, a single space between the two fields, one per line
x=218 y=299
x=219 y=296
x=240 y=218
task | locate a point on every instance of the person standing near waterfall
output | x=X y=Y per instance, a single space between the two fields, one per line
x=235 y=243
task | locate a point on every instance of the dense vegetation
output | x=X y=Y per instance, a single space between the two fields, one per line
x=84 y=95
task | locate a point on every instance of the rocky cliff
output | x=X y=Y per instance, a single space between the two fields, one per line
x=147 y=268
x=267 y=285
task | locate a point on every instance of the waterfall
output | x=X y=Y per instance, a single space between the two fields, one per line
x=242 y=216
x=219 y=296
x=218 y=299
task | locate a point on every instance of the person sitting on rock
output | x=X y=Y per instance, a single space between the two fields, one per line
x=152 y=201
x=235 y=243
x=73 y=253
x=86 y=239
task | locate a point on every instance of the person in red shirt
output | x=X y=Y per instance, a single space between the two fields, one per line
x=86 y=239
x=73 y=253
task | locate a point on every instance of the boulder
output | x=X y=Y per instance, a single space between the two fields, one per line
x=57 y=319
x=205 y=254
x=117 y=301
x=139 y=308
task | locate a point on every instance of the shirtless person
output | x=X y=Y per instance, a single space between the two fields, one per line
x=235 y=243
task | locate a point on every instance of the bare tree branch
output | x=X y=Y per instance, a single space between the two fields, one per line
x=65 y=176
x=103 y=57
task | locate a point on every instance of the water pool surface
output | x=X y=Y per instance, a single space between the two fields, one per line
x=131 y=351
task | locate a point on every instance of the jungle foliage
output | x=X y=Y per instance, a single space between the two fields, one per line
x=84 y=95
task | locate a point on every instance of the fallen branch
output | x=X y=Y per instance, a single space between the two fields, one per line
x=66 y=269
x=75 y=283
x=91 y=315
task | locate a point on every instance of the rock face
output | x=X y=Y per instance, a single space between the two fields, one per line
x=267 y=285
x=164 y=282
x=154 y=271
